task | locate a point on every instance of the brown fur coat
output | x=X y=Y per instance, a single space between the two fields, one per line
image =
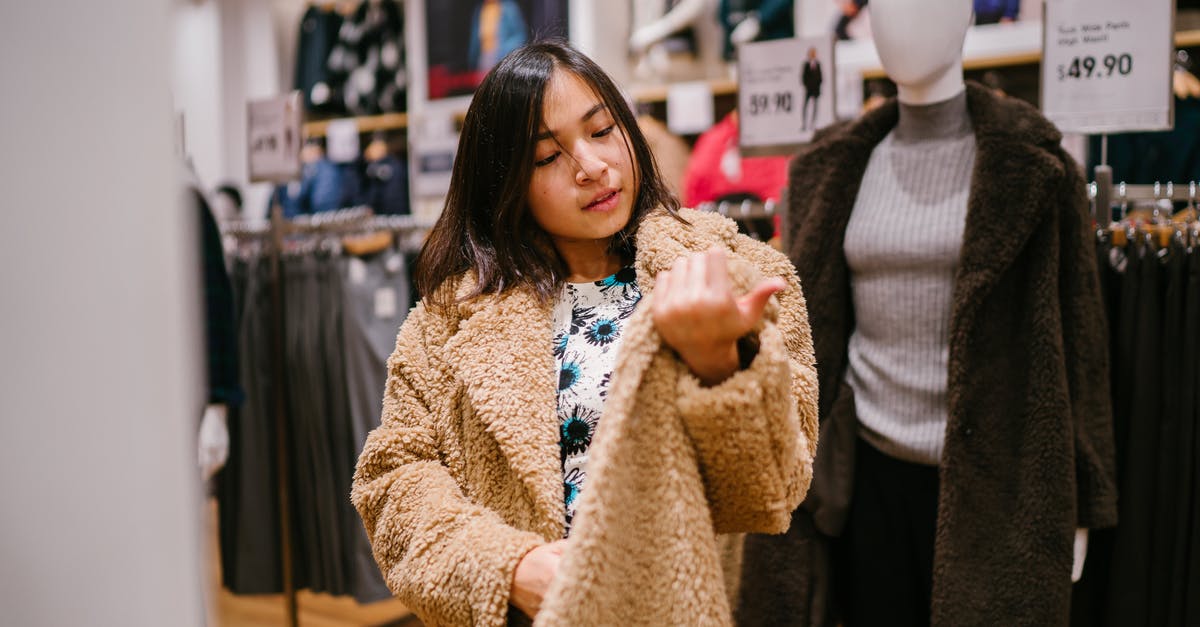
x=1028 y=452
x=463 y=477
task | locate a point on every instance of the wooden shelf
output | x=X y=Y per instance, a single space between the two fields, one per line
x=367 y=124
x=1187 y=38
x=658 y=93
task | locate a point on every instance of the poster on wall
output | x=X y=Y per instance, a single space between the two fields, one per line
x=466 y=38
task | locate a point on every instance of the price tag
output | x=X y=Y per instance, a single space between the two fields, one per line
x=689 y=108
x=357 y=271
x=785 y=93
x=273 y=138
x=1106 y=65
x=385 y=303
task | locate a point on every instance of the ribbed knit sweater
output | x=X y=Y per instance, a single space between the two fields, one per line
x=902 y=246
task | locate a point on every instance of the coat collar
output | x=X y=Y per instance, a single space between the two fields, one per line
x=510 y=383
x=1016 y=163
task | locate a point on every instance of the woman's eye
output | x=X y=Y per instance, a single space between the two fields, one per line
x=604 y=131
x=546 y=161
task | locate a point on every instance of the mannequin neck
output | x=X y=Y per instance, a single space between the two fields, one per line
x=930 y=122
x=944 y=87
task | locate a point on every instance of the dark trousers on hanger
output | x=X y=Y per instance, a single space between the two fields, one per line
x=883 y=562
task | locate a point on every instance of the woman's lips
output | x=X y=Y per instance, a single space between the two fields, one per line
x=605 y=202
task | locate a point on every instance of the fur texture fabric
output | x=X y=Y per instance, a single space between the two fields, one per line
x=1029 y=444
x=463 y=477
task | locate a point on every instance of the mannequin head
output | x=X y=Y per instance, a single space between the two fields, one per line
x=920 y=44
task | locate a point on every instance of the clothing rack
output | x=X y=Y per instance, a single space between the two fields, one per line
x=742 y=210
x=1103 y=195
x=1158 y=199
x=273 y=234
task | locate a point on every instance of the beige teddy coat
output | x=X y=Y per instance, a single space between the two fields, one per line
x=463 y=477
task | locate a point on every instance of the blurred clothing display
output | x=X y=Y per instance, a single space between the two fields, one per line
x=384 y=186
x=995 y=11
x=321 y=188
x=365 y=68
x=1146 y=571
x=318 y=33
x=717 y=168
x=497 y=28
x=340 y=319
x=775 y=19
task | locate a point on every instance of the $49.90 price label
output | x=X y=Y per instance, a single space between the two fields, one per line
x=1090 y=67
x=1106 y=65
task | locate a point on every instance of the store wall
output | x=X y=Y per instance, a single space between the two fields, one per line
x=226 y=52
x=99 y=389
x=197 y=86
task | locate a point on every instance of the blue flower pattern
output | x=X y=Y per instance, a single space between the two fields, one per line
x=588 y=322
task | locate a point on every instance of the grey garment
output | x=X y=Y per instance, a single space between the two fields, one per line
x=903 y=243
x=376 y=296
x=248 y=490
x=314 y=484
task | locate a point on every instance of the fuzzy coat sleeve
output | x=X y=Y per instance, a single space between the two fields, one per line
x=448 y=560
x=756 y=433
x=1085 y=347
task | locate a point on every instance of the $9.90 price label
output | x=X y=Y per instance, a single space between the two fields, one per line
x=785 y=92
x=1106 y=65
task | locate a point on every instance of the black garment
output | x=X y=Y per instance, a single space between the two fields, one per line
x=1131 y=579
x=318 y=33
x=1165 y=589
x=843 y=23
x=384 y=186
x=884 y=558
x=366 y=66
x=220 y=328
x=248 y=485
x=1191 y=611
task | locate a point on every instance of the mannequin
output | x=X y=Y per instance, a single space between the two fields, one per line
x=921 y=257
x=656 y=22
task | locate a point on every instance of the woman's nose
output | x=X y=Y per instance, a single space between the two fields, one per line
x=591 y=166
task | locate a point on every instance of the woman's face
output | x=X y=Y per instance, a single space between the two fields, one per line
x=582 y=189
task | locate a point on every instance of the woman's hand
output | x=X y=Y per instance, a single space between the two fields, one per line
x=532 y=578
x=696 y=313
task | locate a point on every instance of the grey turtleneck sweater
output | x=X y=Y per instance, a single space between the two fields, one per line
x=902 y=246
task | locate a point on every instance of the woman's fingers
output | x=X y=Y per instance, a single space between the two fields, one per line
x=751 y=305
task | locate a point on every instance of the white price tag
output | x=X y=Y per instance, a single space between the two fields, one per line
x=341 y=140
x=786 y=92
x=357 y=271
x=273 y=138
x=385 y=303
x=689 y=108
x=1106 y=65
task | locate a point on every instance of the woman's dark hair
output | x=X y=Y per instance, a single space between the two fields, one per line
x=486 y=225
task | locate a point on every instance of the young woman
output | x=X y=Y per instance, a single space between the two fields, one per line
x=560 y=249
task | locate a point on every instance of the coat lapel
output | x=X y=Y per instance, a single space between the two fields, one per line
x=1013 y=170
x=511 y=386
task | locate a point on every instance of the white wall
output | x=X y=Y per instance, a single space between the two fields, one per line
x=99 y=397
x=197 y=86
x=225 y=53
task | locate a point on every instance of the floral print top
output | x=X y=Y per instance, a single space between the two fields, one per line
x=588 y=323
